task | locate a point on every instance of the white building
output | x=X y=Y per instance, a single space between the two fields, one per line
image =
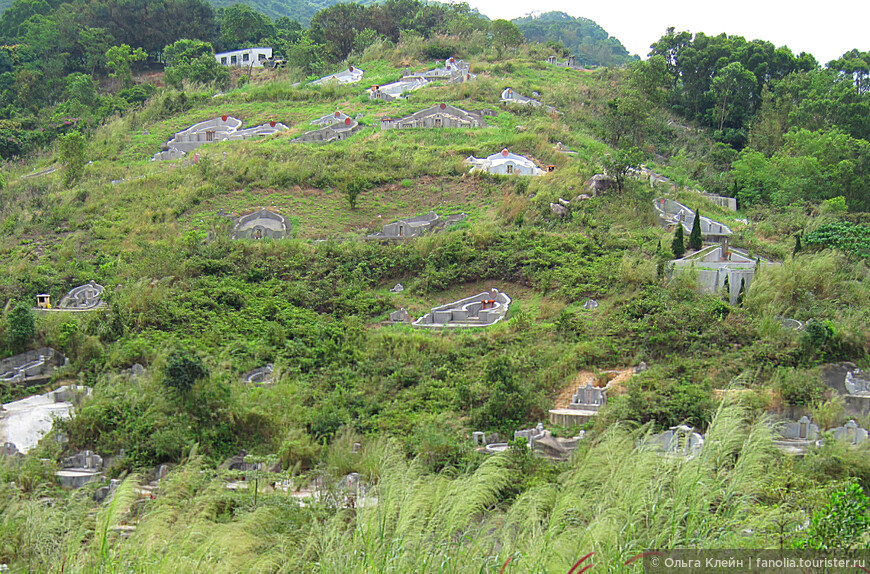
x=350 y=76
x=244 y=58
x=505 y=163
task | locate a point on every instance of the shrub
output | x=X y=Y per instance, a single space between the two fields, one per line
x=182 y=371
x=21 y=328
x=799 y=388
x=677 y=246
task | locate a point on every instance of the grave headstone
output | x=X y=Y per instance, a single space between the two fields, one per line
x=588 y=398
x=804 y=429
x=590 y=304
x=850 y=433
x=400 y=316
x=478 y=438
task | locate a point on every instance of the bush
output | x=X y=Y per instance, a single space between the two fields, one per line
x=21 y=328
x=798 y=387
x=182 y=371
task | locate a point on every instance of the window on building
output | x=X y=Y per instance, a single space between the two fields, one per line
x=246 y=57
x=224 y=60
x=510 y=168
x=209 y=136
x=261 y=57
x=234 y=59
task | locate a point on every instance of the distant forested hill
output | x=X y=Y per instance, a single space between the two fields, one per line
x=582 y=37
x=299 y=10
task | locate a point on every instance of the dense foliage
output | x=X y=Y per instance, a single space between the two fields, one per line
x=581 y=37
x=354 y=393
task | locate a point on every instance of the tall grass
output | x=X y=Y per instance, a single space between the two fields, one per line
x=614 y=499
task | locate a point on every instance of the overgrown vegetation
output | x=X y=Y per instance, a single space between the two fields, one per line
x=199 y=309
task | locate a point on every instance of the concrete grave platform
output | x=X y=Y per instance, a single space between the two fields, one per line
x=481 y=310
x=717 y=264
x=504 y=163
x=415 y=226
x=509 y=96
x=31 y=368
x=224 y=128
x=261 y=224
x=351 y=75
x=24 y=422
x=83 y=298
x=336 y=126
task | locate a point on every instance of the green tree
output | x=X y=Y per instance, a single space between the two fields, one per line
x=337 y=26
x=620 y=162
x=93 y=45
x=352 y=188
x=741 y=294
x=505 y=35
x=71 y=152
x=677 y=246
x=241 y=27
x=182 y=371
x=842 y=523
x=193 y=61
x=733 y=88
x=21 y=328
x=695 y=241
x=119 y=59
x=307 y=55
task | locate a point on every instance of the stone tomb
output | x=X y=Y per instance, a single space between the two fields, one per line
x=82 y=298
x=32 y=367
x=571 y=63
x=415 y=226
x=438 y=116
x=349 y=76
x=856 y=385
x=509 y=96
x=717 y=265
x=672 y=213
x=400 y=316
x=260 y=375
x=584 y=406
x=504 y=163
x=543 y=443
x=796 y=437
x=481 y=310
x=680 y=441
x=394 y=91
x=335 y=126
x=224 y=128
x=24 y=422
x=850 y=433
x=80 y=469
x=259 y=225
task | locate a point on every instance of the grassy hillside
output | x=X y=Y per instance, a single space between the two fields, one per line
x=314 y=305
